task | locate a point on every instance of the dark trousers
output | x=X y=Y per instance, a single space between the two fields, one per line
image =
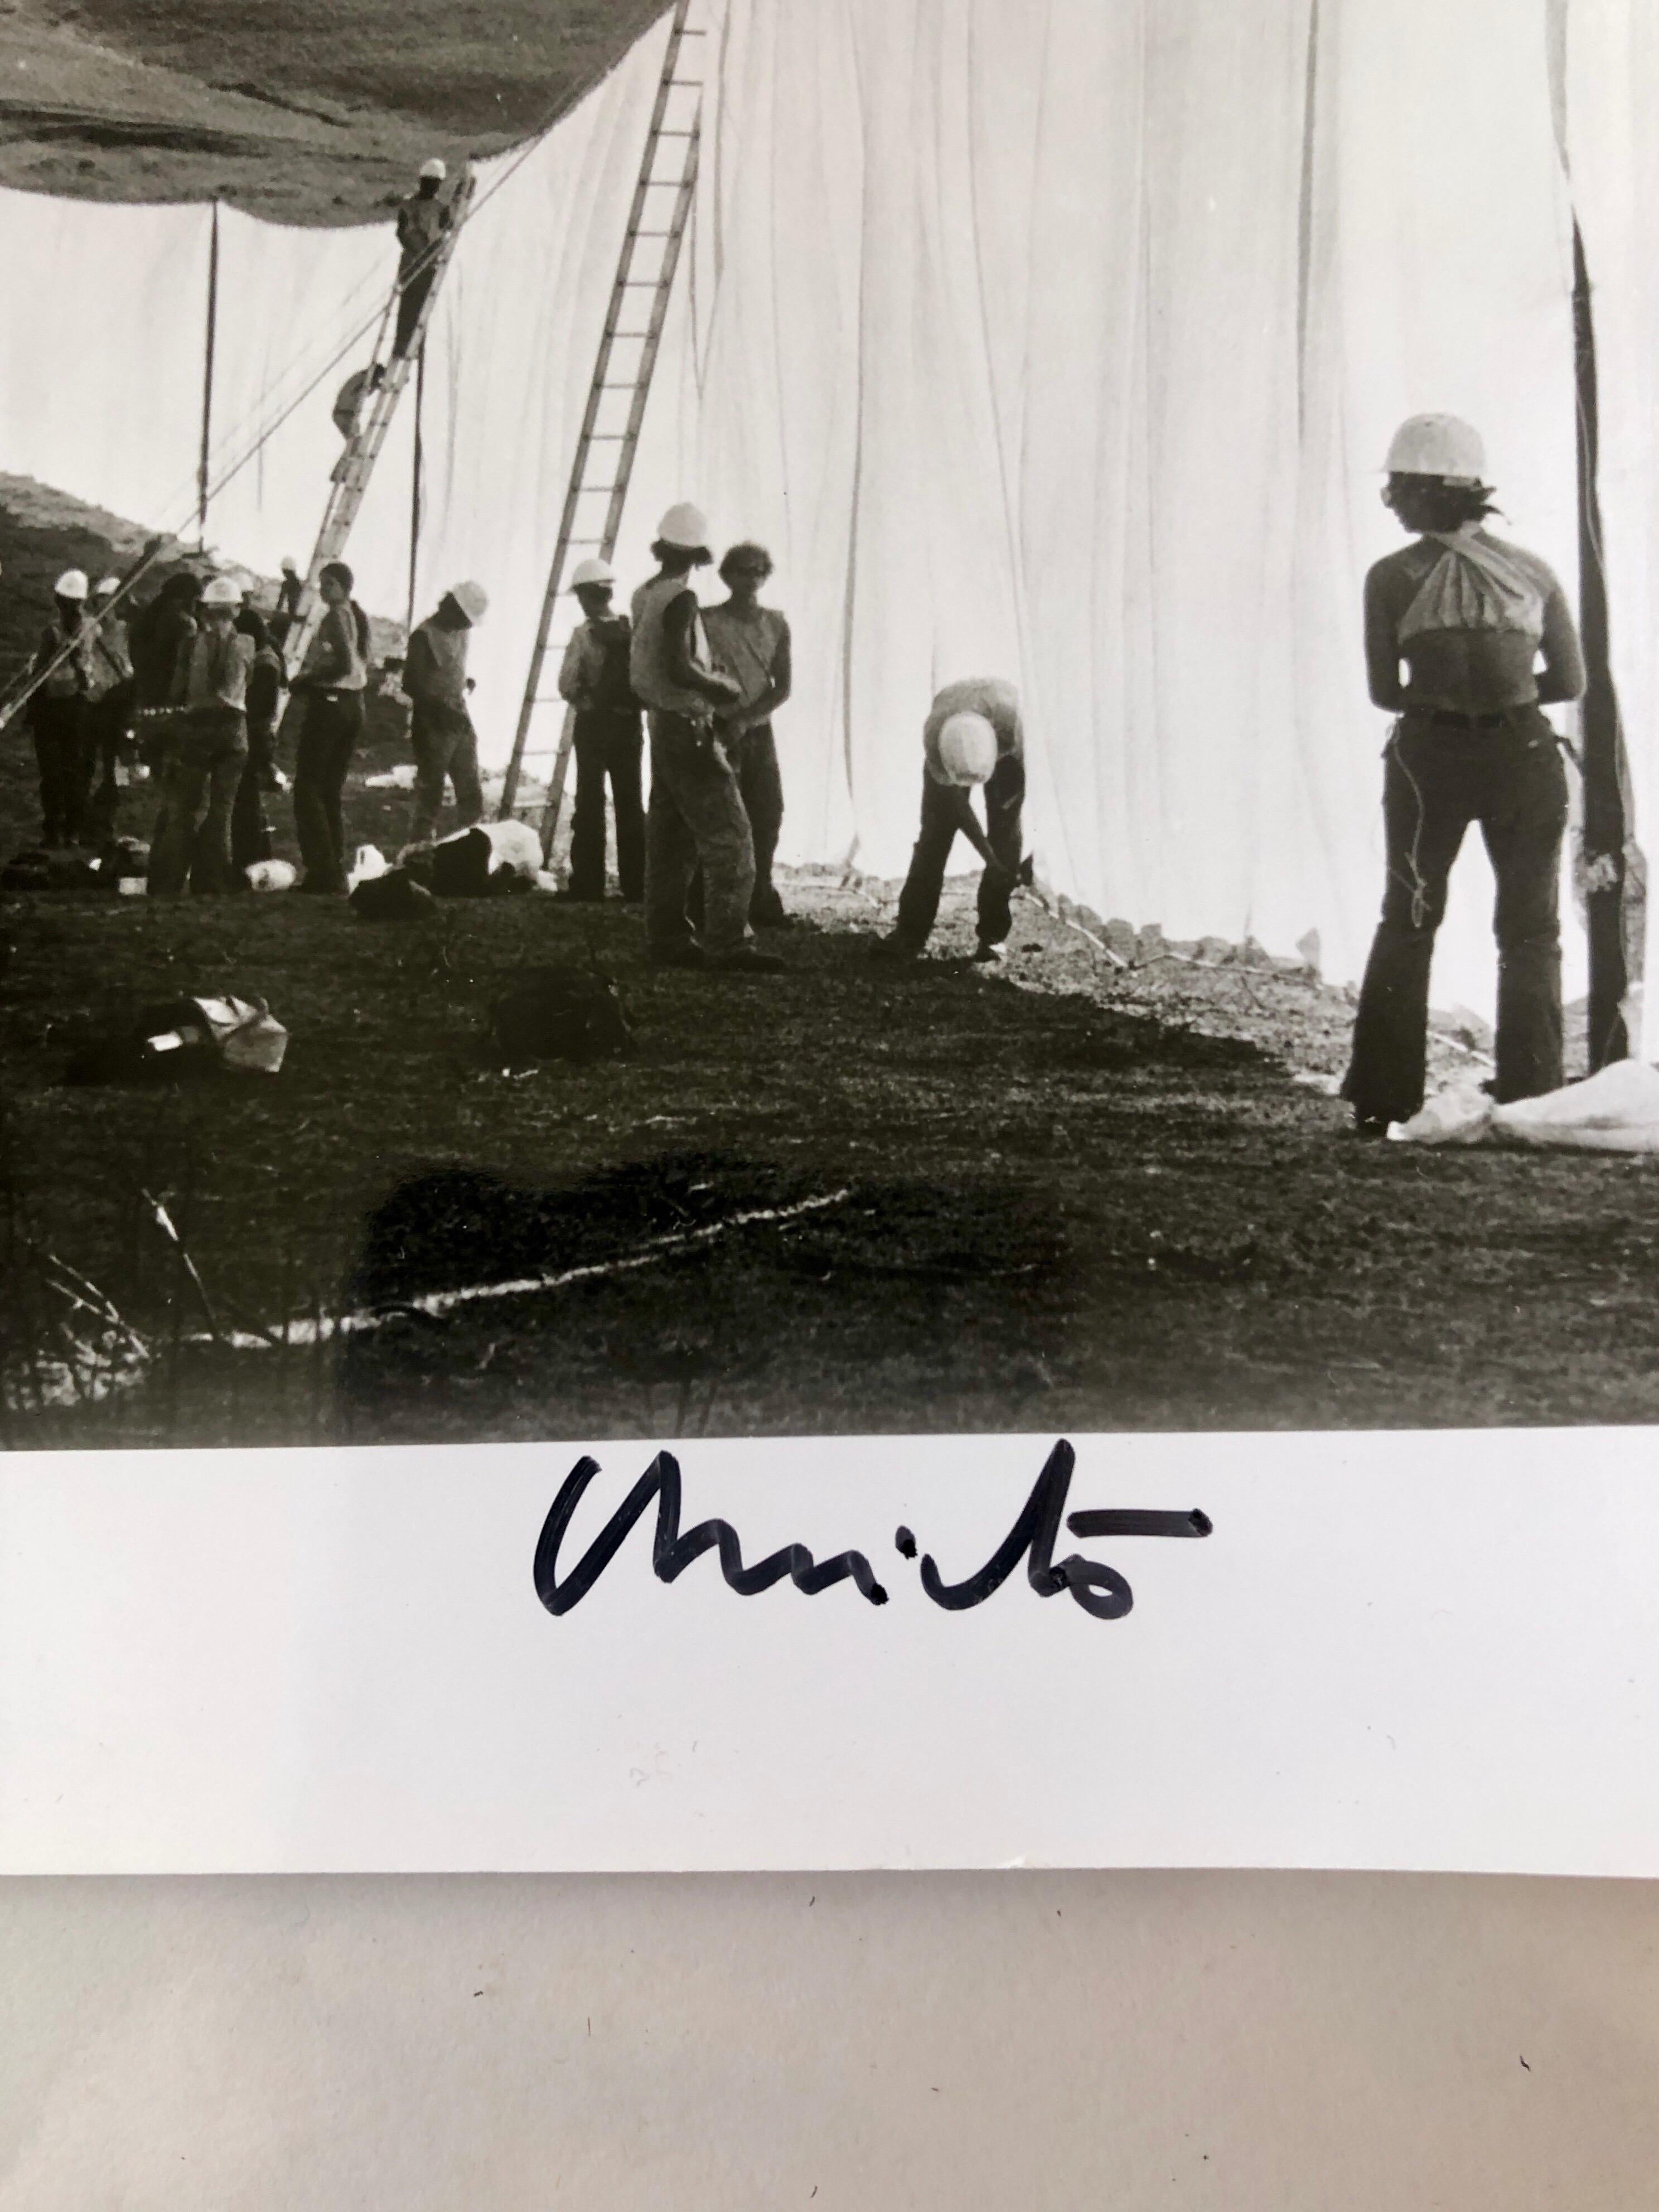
x=754 y=758
x=411 y=298
x=1004 y=803
x=202 y=775
x=607 y=745
x=328 y=738
x=251 y=835
x=695 y=816
x=1438 y=779
x=446 y=747
x=109 y=740
x=63 y=752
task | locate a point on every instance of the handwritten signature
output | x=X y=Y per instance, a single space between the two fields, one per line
x=1098 y=1588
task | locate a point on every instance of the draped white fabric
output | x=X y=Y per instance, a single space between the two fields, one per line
x=1061 y=342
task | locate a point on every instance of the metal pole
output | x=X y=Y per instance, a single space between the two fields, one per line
x=1614 y=892
x=207 y=378
x=415 y=487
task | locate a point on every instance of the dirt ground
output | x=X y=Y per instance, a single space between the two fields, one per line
x=1060 y=1194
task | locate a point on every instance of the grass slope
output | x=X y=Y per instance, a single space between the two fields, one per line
x=306 y=111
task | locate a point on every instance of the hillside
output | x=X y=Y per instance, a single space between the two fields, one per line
x=303 y=111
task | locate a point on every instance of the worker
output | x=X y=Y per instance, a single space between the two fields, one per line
x=445 y=743
x=291 y=590
x=696 y=812
x=330 y=686
x=1470 y=616
x=251 y=833
x=422 y=219
x=349 y=400
x=607 y=739
x=750 y=644
x=111 y=700
x=210 y=751
x=972 y=739
x=58 y=712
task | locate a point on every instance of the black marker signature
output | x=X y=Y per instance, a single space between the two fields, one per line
x=1098 y=1588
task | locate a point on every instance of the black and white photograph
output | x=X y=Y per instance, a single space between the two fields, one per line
x=829 y=1157
x=783 y=719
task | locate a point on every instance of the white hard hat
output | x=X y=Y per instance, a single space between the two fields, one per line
x=1437 y=445
x=471 y=598
x=593 y=572
x=71 y=585
x=221 y=591
x=290 y=566
x=685 y=527
x=106 y=585
x=968 y=748
x=434 y=168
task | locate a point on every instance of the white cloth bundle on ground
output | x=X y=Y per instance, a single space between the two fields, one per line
x=1615 y=1111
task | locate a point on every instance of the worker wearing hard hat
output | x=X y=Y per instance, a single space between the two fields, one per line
x=751 y=644
x=445 y=743
x=329 y=687
x=422 y=219
x=696 y=811
x=1471 y=618
x=290 y=590
x=111 y=696
x=58 y=712
x=973 y=739
x=210 y=751
x=607 y=738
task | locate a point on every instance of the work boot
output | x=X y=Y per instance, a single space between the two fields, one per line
x=984 y=953
x=746 y=960
x=766 y=909
x=894 y=951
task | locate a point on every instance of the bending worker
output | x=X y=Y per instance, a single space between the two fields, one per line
x=751 y=644
x=208 y=752
x=422 y=219
x=1469 y=616
x=594 y=680
x=972 y=738
x=440 y=729
x=696 y=812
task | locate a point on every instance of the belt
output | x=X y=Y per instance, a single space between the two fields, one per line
x=1449 y=718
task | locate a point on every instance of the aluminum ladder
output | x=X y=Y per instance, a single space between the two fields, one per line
x=629 y=346
x=362 y=449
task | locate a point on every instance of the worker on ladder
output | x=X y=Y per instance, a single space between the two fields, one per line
x=696 y=811
x=422 y=219
x=444 y=743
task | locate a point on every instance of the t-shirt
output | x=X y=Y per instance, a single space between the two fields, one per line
x=214 y=670
x=978 y=695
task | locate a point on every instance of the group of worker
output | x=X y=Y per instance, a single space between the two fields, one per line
x=1467 y=640
x=191 y=686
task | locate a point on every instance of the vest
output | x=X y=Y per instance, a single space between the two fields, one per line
x=647 y=665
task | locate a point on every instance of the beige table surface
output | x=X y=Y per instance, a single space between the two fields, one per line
x=1255 y=2043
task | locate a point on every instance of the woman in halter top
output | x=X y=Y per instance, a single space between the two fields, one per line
x=1467 y=640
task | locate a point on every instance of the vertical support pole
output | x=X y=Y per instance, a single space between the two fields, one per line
x=207 y=378
x=415 y=486
x=1612 y=888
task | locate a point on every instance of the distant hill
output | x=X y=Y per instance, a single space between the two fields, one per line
x=303 y=110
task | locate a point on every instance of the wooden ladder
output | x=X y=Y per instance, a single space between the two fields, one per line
x=629 y=346
x=362 y=449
